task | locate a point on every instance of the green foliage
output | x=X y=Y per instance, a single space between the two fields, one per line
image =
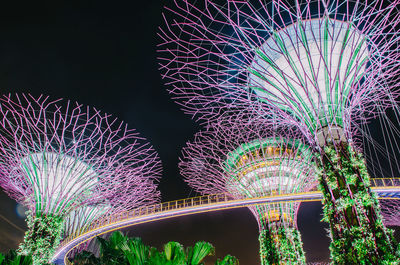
x=136 y=252
x=228 y=260
x=120 y=249
x=42 y=237
x=200 y=250
x=268 y=251
x=12 y=258
x=85 y=258
x=112 y=249
x=173 y=253
x=281 y=245
x=352 y=210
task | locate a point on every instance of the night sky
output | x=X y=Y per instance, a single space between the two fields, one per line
x=103 y=54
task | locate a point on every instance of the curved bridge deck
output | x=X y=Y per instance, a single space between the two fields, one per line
x=385 y=188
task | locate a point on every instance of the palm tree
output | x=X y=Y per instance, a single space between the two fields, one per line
x=175 y=254
x=228 y=260
x=200 y=250
x=12 y=258
x=85 y=258
x=120 y=249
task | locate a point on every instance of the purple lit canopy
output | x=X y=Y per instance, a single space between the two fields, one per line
x=245 y=160
x=56 y=158
x=310 y=64
x=238 y=156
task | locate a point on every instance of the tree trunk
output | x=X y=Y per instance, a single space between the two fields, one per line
x=42 y=237
x=280 y=245
x=352 y=209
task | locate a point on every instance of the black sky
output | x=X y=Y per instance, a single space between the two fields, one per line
x=103 y=54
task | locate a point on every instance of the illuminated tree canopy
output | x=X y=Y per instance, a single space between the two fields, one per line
x=319 y=66
x=59 y=158
x=244 y=160
x=308 y=63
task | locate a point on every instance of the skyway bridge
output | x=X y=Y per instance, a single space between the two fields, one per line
x=387 y=188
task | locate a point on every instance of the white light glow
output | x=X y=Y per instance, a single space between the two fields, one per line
x=312 y=65
x=268 y=180
x=83 y=216
x=57 y=180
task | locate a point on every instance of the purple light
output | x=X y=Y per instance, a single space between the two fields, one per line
x=310 y=64
x=245 y=160
x=56 y=158
x=61 y=159
x=322 y=67
x=390 y=211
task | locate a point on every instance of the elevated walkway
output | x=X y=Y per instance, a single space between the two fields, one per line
x=385 y=188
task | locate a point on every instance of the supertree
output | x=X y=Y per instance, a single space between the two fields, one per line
x=319 y=66
x=61 y=158
x=244 y=160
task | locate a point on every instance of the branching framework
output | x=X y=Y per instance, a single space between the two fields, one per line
x=314 y=63
x=59 y=158
x=323 y=67
x=242 y=159
x=390 y=212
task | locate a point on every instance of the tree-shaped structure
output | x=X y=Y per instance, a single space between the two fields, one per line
x=320 y=66
x=58 y=158
x=243 y=160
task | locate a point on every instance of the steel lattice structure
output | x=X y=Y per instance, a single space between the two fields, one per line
x=312 y=63
x=319 y=66
x=59 y=158
x=390 y=212
x=83 y=216
x=246 y=161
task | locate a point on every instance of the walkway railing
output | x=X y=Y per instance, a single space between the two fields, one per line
x=392 y=185
x=385 y=182
x=152 y=209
